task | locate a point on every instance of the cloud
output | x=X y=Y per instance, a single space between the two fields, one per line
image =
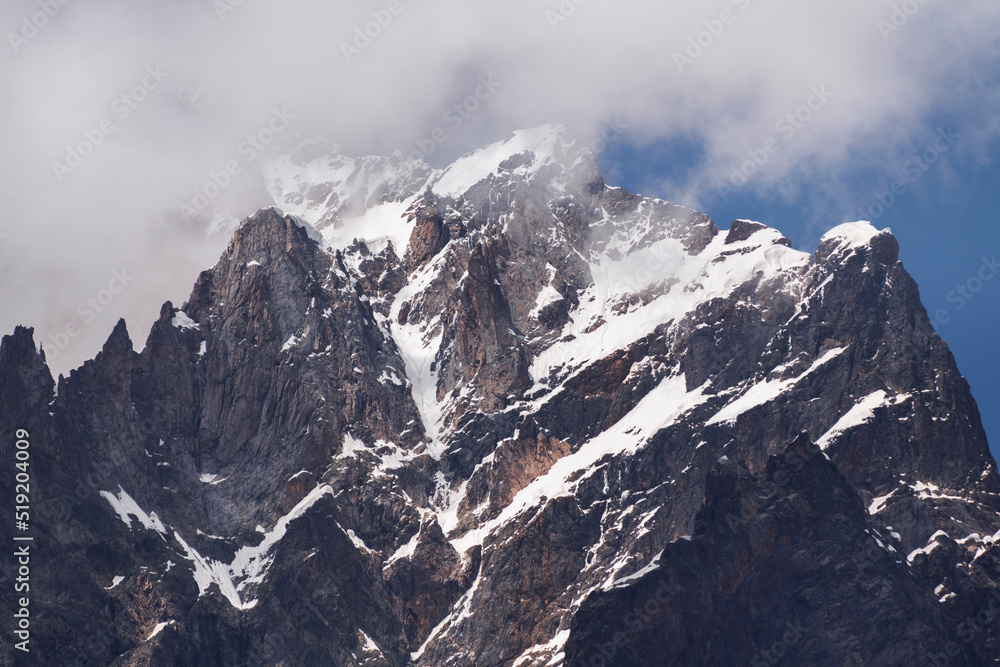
x=379 y=76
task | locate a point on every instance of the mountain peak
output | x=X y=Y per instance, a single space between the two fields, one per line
x=523 y=154
x=850 y=238
x=854 y=233
x=269 y=221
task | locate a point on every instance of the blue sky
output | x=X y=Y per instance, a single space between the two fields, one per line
x=947 y=222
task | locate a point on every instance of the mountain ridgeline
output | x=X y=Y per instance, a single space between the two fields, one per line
x=504 y=414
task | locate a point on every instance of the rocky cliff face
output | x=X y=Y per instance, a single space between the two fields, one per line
x=505 y=414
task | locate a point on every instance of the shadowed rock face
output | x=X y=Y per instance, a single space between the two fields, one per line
x=764 y=579
x=565 y=425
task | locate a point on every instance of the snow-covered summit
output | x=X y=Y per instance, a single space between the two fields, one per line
x=853 y=234
x=318 y=183
x=338 y=194
x=524 y=154
x=853 y=238
x=370 y=198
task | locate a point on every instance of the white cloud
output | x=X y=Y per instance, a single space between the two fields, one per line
x=606 y=59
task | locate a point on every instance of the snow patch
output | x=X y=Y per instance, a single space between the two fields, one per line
x=627 y=581
x=553 y=648
x=861 y=413
x=351 y=447
x=547 y=296
x=183 y=322
x=159 y=628
x=657 y=410
x=878 y=504
x=369 y=646
x=388 y=376
x=929 y=490
x=932 y=544
x=357 y=541
x=598 y=327
x=767 y=391
x=310 y=230
x=250 y=564
x=404 y=552
x=125 y=507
